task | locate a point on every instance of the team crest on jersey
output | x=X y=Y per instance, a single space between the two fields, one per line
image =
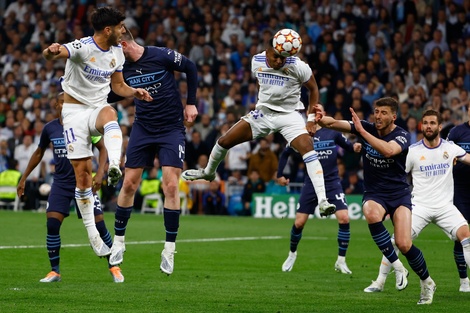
x=286 y=71
x=70 y=149
x=112 y=63
x=445 y=155
x=77 y=44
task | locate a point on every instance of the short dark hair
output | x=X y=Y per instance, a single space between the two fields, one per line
x=388 y=102
x=433 y=113
x=127 y=36
x=106 y=16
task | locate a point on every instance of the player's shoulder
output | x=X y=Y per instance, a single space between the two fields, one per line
x=260 y=57
x=53 y=124
x=417 y=145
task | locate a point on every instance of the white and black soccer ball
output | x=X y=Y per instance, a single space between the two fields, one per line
x=287 y=42
x=44 y=189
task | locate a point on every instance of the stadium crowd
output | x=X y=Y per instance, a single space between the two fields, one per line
x=415 y=51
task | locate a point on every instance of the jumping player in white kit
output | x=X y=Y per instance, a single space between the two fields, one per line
x=94 y=66
x=280 y=80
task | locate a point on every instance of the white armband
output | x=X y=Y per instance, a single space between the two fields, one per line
x=311 y=117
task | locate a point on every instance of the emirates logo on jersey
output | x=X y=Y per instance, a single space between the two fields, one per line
x=112 y=63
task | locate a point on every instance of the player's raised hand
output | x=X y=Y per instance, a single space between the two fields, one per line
x=282 y=181
x=142 y=94
x=356 y=120
x=190 y=113
x=54 y=48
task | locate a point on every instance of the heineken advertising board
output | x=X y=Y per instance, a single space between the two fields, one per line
x=285 y=206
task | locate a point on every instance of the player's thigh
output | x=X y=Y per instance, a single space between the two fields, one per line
x=420 y=218
x=373 y=209
x=292 y=128
x=60 y=198
x=449 y=219
x=75 y=118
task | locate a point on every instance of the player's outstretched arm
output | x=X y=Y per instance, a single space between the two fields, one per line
x=55 y=51
x=119 y=86
x=386 y=148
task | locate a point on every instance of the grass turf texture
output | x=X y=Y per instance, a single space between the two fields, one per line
x=242 y=274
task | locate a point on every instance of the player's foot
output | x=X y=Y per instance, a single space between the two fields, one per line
x=168 y=261
x=114 y=174
x=427 y=291
x=197 y=174
x=289 y=262
x=117 y=252
x=326 y=208
x=98 y=245
x=342 y=267
x=464 y=285
x=401 y=279
x=375 y=287
x=115 y=271
x=51 y=277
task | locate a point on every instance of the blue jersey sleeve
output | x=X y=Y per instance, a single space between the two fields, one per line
x=178 y=62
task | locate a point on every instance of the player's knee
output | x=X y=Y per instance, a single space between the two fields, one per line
x=403 y=244
x=342 y=216
x=171 y=190
x=372 y=215
x=129 y=186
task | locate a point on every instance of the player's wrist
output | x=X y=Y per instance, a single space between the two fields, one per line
x=311 y=117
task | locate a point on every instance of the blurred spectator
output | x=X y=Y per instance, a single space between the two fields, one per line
x=213 y=200
x=264 y=162
x=10 y=178
x=194 y=149
x=254 y=185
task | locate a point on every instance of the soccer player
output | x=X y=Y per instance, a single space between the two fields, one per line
x=93 y=66
x=460 y=135
x=63 y=192
x=430 y=162
x=325 y=142
x=280 y=80
x=158 y=129
x=385 y=146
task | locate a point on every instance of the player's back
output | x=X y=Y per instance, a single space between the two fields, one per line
x=53 y=132
x=154 y=71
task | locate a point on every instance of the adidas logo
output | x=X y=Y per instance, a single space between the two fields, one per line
x=422 y=158
x=92 y=59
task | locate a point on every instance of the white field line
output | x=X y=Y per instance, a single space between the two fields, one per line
x=152 y=242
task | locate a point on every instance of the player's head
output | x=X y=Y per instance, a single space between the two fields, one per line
x=275 y=60
x=385 y=112
x=127 y=40
x=431 y=124
x=110 y=22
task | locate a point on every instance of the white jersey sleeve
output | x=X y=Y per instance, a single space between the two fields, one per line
x=88 y=71
x=431 y=171
x=280 y=89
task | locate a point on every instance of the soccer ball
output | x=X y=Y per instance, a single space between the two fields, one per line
x=44 y=189
x=287 y=42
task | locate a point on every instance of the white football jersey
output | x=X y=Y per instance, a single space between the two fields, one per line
x=279 y=90
x=88 y=71
x=431 y=171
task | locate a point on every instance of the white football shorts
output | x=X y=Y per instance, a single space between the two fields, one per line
x=264 y=121
x=79 y=125
x=448 y=218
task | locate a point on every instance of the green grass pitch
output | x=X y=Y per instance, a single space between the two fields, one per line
x=223 y=264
